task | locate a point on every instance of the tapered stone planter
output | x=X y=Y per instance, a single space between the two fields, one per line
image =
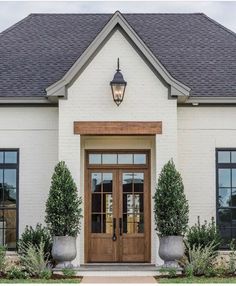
x=171 y=249
x=64 y=251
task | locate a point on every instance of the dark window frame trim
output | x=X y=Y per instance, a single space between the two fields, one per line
x=9 y=166
x=217 y=167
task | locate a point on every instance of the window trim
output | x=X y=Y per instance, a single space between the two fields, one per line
x=147 y=152
x=7 y=166
x=217 y=167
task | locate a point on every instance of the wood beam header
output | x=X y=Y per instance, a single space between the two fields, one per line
x=118 y=127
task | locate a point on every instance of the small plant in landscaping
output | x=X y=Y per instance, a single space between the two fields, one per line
x=188 y=270
x=69 y=272
x=203 y=234
x=2 y=259
x=16 y=272
x=200 y=259
x=63 y=207
x=170 y=204
x=45 y=274
x=35 y=237
x=232 y=257
x=33 y=259
x=172 y=272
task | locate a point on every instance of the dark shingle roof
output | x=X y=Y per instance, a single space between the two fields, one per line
x=40 y=49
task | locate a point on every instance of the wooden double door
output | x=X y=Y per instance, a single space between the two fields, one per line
x=117 y=215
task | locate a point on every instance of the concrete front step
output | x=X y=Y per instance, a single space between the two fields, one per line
x=125 y=270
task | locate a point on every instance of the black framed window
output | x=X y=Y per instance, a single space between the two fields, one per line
x=9 y=173
x=226 y=194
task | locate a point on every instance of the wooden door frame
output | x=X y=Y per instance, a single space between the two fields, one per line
x=102 y=168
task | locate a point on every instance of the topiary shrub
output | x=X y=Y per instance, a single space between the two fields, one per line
x=63 y=207
x=35 y=237
x=203 y=234
x=170 y=204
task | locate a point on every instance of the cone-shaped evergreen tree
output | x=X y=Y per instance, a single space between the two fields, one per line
x=170 y=204
x=63 y=207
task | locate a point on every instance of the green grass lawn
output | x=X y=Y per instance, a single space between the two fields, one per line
x=197 y=280
x=66 y=280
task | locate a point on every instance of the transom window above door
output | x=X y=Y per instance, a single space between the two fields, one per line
x=105 y=158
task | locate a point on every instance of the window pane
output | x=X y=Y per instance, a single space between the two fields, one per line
x=10 y=178
x=139 y=158
x=225 y=234
x=125 y=158
x=11 y=157
x=223 y=156
x=233 y=156
x=224 y=198
x=128 y=223
x=10 y=235
x=1 y=157
x=224 y=217
x=95 y=159
x=233 y=198
x=1 y=176
x=8 y=218
x=96 y=203
x=107 y=203
x=127 y=182
x=96 y=223
x=128 y=203
x=109 y=158
x=224 y=178
x=138 y=203
x=233 y=211
x=138 y=223
x=96 y=182
x=138 y=182
x=107 y=182
x=1 y=186
x=233 y=177
x=107 y=223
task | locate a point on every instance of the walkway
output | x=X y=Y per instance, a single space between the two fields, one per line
x=117 y=279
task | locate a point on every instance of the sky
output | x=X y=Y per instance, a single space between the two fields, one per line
x=223 y=12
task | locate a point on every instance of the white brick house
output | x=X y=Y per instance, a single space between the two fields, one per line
x=55 y=73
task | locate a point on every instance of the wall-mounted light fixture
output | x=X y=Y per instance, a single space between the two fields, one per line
x=118 y=85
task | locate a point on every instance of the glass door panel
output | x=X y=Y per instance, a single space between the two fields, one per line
x=102 y=202
x=133 y=204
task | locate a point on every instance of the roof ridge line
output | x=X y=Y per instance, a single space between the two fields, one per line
x=219 y=25
x=15 y=25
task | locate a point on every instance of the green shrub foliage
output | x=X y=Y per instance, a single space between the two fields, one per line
x=35 y=237
x=203 y=234
x=170 y=204
x=200 y=260
x=16 y=272
x=63 y=207
x=2 y=259
x=34 y=260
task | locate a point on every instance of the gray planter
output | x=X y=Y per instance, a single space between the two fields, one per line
x=64 y=250
x=171 y=249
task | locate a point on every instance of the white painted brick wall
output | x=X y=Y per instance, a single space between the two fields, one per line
x=200 y=131
x=34 y=130
x=89 y=98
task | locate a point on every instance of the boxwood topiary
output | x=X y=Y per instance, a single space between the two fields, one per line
x=63 y=207
x=170 y=204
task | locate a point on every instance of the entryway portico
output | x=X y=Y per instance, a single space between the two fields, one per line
x=145 y=121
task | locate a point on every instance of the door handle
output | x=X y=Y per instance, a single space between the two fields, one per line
x=114 y=230
x=120 y=225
